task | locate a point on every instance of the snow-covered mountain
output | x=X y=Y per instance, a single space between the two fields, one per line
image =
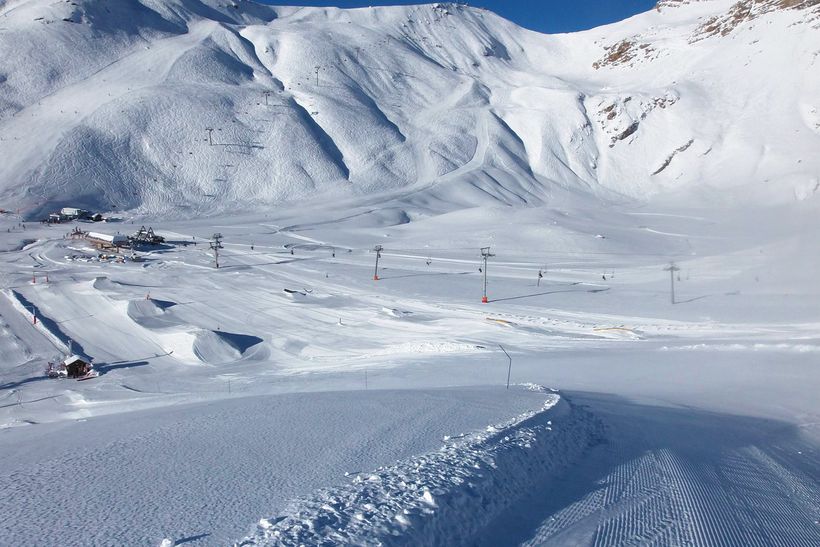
x=184 y=107
x=649 y=194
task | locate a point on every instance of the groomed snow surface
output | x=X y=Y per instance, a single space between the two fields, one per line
x=442 y=497
x=204 y=470
x=230 y=410
x=289 y=398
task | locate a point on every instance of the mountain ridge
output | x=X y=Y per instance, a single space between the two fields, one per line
x=439 y=106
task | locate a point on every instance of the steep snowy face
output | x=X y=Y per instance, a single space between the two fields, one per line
x=185 y=107
x=740 y=96
x=749 y=10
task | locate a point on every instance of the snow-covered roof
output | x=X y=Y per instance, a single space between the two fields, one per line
x=117 y=239
x=73 y=359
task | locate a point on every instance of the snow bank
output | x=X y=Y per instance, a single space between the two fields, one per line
x=217 y=347
x=444 y=497
x=151 y=313
x=44 y=324
x=791 y=347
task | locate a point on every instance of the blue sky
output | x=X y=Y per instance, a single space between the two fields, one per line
x=541 y=15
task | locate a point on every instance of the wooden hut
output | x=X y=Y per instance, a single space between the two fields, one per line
x=76 y=366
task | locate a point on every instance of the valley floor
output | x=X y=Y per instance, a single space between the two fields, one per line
x=367 y=410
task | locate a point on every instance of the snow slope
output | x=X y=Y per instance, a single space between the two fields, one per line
x=469 y=481
x=685 y=134
x=709 y=403
x=206 y=470
x=105 y=105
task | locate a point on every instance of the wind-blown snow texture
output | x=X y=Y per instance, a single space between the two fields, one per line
x=211 y=469
x=469 y=481
x=106 y=104
x=274 y=386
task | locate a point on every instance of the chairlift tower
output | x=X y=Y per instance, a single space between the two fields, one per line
x=485 y=255
x=215 y=245
x=378 y=250
x=672 y=268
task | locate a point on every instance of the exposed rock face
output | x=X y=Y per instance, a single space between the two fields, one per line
x=635 y=49
x=625 y=52
x=672 y=3
x=749 y=10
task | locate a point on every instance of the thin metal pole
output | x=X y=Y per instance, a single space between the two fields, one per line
x=485 y=254
x=672 y=268
x=672 y=284
x=485 y=277
x=509 y=367
x=378 y=249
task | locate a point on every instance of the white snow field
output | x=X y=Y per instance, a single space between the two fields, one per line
x=438 y=106
x=289 y=398
x=203 y=470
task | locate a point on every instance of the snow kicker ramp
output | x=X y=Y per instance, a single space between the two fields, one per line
x=440 y=498
x=151 y=313
x=218 y=347
x=192 y=343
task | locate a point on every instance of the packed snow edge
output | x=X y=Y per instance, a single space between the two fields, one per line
x=453 y=493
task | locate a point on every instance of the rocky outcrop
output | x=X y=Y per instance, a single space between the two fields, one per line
x=749 y=10
x=625 y=52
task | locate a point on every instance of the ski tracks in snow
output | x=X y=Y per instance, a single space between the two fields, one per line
x=665 y=496
x=443 y=497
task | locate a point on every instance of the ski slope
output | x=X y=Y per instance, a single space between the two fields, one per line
x=288 y=397
x=708 y=404
x=231 y=459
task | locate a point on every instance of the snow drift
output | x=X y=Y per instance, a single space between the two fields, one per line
x=440 y=498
